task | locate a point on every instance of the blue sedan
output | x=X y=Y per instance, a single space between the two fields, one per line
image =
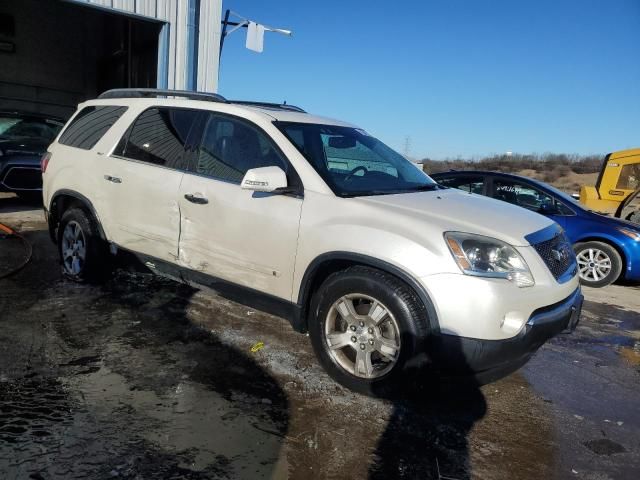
x=607 y=248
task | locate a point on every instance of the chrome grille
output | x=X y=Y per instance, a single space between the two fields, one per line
x=557 y=255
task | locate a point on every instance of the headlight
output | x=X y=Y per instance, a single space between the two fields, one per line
x=488 y=257
x=630 y=233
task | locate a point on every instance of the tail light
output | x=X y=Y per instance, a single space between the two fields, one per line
x=44 y=161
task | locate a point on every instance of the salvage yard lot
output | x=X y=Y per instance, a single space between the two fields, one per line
x=145 y=376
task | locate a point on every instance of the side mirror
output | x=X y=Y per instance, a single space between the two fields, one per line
x=264 y=179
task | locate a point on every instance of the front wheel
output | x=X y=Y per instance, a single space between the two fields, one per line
x=365 y=326
x=599 y=264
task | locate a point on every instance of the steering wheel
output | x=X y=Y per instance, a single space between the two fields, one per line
x=354 y=171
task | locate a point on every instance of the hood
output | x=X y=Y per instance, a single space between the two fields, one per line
x=455 y=210
x=22 y=146
x=610 y=221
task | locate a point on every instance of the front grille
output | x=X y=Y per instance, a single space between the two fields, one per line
x=557 y=255
x=23 y=178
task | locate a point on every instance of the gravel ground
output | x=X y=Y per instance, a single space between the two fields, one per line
x=146 y=378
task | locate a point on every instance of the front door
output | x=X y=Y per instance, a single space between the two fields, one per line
x=237 y=235
x=527 y=196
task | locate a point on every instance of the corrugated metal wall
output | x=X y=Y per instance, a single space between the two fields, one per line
x=176 y=13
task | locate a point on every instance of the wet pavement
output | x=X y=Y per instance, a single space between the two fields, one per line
x=146 y=378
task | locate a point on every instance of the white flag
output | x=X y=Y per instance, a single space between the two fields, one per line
x=255 y=37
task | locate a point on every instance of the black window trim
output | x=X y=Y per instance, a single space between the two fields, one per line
x=188 y=152
x=293 y=178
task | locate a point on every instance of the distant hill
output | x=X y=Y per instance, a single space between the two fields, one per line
x=567 y=172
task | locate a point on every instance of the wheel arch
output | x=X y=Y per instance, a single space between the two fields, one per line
x=64 y=199
x=327 y=263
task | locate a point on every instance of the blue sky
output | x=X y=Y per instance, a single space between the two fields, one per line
x=458 y=78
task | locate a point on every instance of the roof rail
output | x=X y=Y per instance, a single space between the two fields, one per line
x=280 y=106
x=155 y=92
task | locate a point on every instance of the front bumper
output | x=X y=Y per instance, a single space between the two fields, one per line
x=492 y=359
x=20 y=176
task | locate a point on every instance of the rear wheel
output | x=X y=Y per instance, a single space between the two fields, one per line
x=366 y=326
x=599 y=264
x=82 y=251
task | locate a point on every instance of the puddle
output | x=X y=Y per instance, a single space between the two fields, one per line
x=30 y=407
x=604 y=446
x=623 y=319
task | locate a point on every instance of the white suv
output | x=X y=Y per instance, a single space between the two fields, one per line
x=313 y=220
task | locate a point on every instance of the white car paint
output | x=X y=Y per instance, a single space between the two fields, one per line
x=268 y=242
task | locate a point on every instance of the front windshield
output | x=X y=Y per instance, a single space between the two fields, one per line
x=19 y=128
x=354 y=163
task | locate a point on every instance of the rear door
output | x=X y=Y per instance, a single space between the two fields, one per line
x=143 y=178
x=244 y=237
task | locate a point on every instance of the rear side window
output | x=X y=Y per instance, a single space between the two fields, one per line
x=90 y=125
x=159 y=136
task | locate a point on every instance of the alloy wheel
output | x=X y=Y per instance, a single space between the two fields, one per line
x=362 y=336
x=74 y=248
x=593 y=264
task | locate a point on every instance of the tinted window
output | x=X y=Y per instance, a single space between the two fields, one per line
x=159 y=136
x=230 y=147
x=521 y=194
x=468 y=184
x=90 y=125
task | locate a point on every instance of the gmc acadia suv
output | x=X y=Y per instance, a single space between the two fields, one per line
x=313 y=220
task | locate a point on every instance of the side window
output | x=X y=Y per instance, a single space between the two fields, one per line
x=629 y=178
x=468 y=184
x=230 y=147
x=521 y=194
x=89 y=126
x=564 y=210
x=159 y=136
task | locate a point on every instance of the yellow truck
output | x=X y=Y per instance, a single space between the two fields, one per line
x=617 y=191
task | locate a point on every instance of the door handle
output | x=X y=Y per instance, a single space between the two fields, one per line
x=195 y=198
x=109 y=178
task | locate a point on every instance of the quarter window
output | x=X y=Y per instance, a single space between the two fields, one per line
x=468 y=184
x=90 y=125
x=230 y=147
x=159 y=136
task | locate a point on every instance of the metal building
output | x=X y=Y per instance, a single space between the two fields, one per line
x=57 y=53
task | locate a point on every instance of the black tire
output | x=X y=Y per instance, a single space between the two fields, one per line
x=399 y=299
x=587 y=278
x=94 y=267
